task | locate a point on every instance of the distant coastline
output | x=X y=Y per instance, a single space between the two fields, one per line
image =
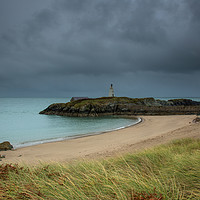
x=23 y=126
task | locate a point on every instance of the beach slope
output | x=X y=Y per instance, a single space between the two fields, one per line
x=152 y=131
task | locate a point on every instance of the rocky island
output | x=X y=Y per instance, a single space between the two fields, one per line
x=123 y=106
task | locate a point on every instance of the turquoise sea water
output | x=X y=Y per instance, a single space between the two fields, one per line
x=21 y=124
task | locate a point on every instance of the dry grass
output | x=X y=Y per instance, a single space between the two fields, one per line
x=167 y=172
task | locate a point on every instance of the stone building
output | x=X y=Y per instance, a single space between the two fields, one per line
x=78 y=98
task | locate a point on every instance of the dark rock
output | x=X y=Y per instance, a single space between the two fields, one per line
x=5 y=146
x=196 y=120
x=184 y=102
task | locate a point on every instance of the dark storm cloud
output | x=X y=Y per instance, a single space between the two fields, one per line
x=41 y=23
x=101 y=41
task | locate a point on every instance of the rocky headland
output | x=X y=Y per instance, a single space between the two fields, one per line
x=123 y=106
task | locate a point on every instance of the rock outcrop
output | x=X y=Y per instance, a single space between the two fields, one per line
x=123 y=106
x=5 y=146
x=196 y=120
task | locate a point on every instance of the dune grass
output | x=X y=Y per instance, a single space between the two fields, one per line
x=169 y=171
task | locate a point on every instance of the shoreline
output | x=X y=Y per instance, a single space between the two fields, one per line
x=153 y=130
x=39 y=142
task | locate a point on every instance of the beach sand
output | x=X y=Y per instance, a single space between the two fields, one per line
x=152 y=131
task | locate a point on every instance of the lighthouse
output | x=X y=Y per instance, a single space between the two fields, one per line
x=111 y=91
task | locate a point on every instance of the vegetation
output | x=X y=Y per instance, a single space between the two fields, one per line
x=165 y=172
x=106 y=100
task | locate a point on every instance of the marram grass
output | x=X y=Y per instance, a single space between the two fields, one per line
x=166 y=172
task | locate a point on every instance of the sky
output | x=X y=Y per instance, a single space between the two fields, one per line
x=65 y=48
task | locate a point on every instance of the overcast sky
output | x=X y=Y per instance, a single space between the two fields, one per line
x=64 y=48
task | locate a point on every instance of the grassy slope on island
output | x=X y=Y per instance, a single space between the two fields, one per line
x=165 y=172
x=106 y=100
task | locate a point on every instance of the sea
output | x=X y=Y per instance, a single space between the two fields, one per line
x=22 y=125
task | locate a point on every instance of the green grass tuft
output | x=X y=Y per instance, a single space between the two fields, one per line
x=166 y=172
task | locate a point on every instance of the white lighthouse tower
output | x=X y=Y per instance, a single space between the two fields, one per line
x=111 y=91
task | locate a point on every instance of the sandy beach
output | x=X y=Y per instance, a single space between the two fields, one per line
x=152 y=131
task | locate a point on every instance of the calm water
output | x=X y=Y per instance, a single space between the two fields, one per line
x=21 y=124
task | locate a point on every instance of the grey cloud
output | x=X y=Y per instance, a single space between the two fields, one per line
x=104 y=41
x=194 y=7
x=37 y=28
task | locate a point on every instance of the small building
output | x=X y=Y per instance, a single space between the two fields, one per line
x=111 y=91
x=78 y=98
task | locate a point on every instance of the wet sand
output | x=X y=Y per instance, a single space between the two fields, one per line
x=152 y=131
